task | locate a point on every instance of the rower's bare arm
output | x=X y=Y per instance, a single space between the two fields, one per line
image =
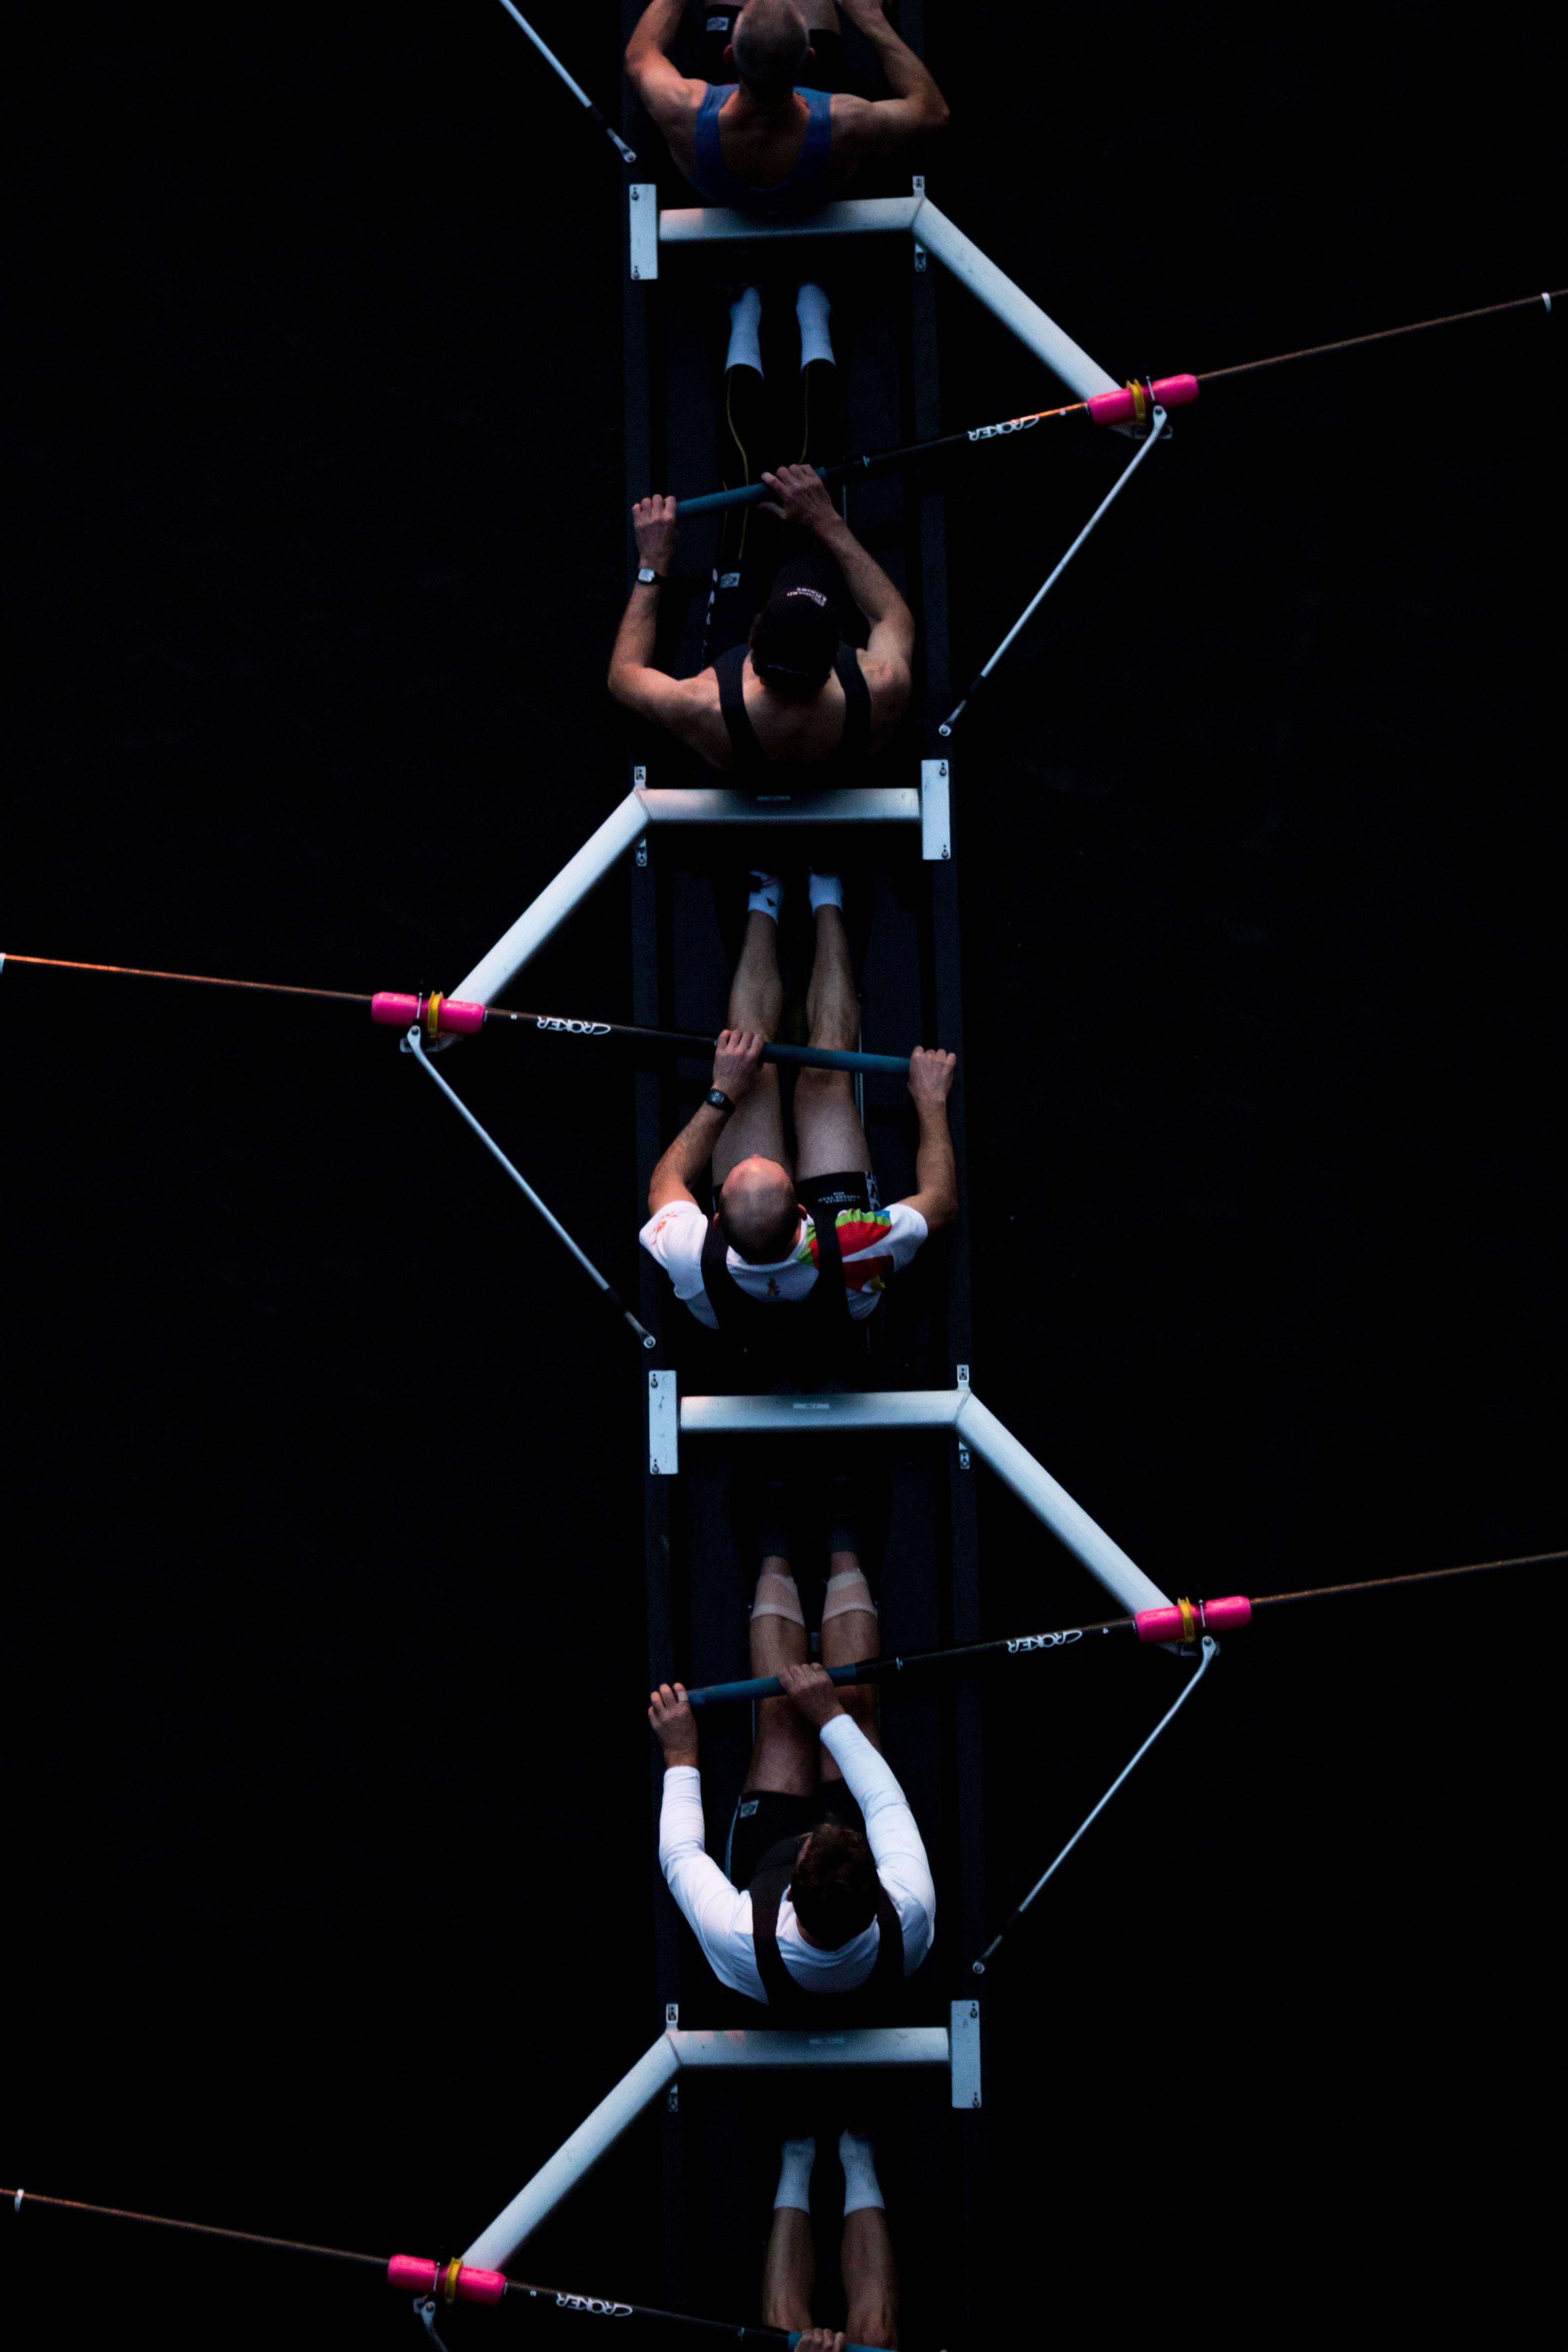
x=671 y=99
x=935 y=1193
x=738 y=1058
x=890 y=646
x=634 y=680
x=864 y=126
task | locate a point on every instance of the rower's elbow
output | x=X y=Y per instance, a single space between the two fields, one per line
x=938 y=113
x=940 y=1210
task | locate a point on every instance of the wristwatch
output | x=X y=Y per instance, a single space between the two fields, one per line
x=716 y=1100
x=647 y=577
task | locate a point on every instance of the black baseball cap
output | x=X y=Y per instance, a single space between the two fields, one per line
x=795 y=639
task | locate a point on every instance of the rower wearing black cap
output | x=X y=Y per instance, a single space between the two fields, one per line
x=793 y=692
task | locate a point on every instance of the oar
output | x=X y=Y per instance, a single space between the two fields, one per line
x=449 y=1016
x=450 y=2281
x=1132 y=405
x=627 y=154
x=1186 y=1624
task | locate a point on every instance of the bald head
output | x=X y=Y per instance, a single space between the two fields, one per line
x=769 y=44
x=758 y=1213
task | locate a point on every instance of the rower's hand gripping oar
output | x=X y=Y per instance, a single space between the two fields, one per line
x=627 y=154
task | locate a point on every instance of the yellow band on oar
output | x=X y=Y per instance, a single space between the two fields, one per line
x=1188 y=1625
x=433 y=1005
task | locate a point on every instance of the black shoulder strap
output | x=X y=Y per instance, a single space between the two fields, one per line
x=728 y=1301
x=827 y=1293
x=856 y=737
x=767 y=1892
x=728 y=668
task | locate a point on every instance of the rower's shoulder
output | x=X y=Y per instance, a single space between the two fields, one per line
x=851 y=120
x=700 y=719
x=672 y=99
x=887 y=683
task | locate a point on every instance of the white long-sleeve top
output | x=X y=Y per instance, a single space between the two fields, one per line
x=719 y=1914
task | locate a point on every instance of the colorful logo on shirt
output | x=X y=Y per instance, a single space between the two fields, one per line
x=858 y=1230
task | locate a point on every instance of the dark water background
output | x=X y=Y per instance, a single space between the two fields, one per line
x=324 y=1792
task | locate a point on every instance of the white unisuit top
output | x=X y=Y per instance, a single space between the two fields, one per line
x=719 y=1914
x=873 y=1242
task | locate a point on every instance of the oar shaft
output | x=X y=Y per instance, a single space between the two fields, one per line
x=1106 y=407
x=1151 y=1625
x=399 y=1010
x=911 y=454
x=19 y=2199
x=893 y=1663
x=1384 y=335
x=189 y=979
x=412 y=2273
x=1419 y=1576
x=689 y=1041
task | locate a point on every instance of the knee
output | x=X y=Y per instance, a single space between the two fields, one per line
x=819 y=1088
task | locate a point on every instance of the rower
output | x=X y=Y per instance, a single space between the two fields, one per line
x=799 y=1248
x=770 y=126
x=827 y=1895
x=788 y=691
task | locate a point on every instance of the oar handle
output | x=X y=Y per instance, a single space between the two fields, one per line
x=794 y=2338
x=716 y=501
x=828 y=1057
x=769 y=1685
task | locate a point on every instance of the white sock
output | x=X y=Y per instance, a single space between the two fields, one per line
x=812 y=308
x=744 y=329
x=795 y=2174
x=767 y=895
x=826 y=890
x=858 y=2158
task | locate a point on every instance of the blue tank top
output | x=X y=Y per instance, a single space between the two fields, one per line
x=799 y=190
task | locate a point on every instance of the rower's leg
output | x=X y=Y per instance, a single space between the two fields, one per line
x=742 y=428
x=830 y=1138
x=756 y=1002
x=789 y=2271
x=869 y=2276
x=821 y=441
x=850 y=1631
x=865 y=2257
x=785 y=1757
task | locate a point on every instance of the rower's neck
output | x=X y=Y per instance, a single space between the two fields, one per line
x=771 y=111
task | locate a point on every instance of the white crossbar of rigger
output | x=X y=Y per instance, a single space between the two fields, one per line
x=741 y=2051
x=711 y=804
x=631 y=818
x=915 y=216
x=958 y=1409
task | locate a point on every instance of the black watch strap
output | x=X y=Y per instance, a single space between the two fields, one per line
x=716 y=1100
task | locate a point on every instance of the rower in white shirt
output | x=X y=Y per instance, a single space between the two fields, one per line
x=829 y=1894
